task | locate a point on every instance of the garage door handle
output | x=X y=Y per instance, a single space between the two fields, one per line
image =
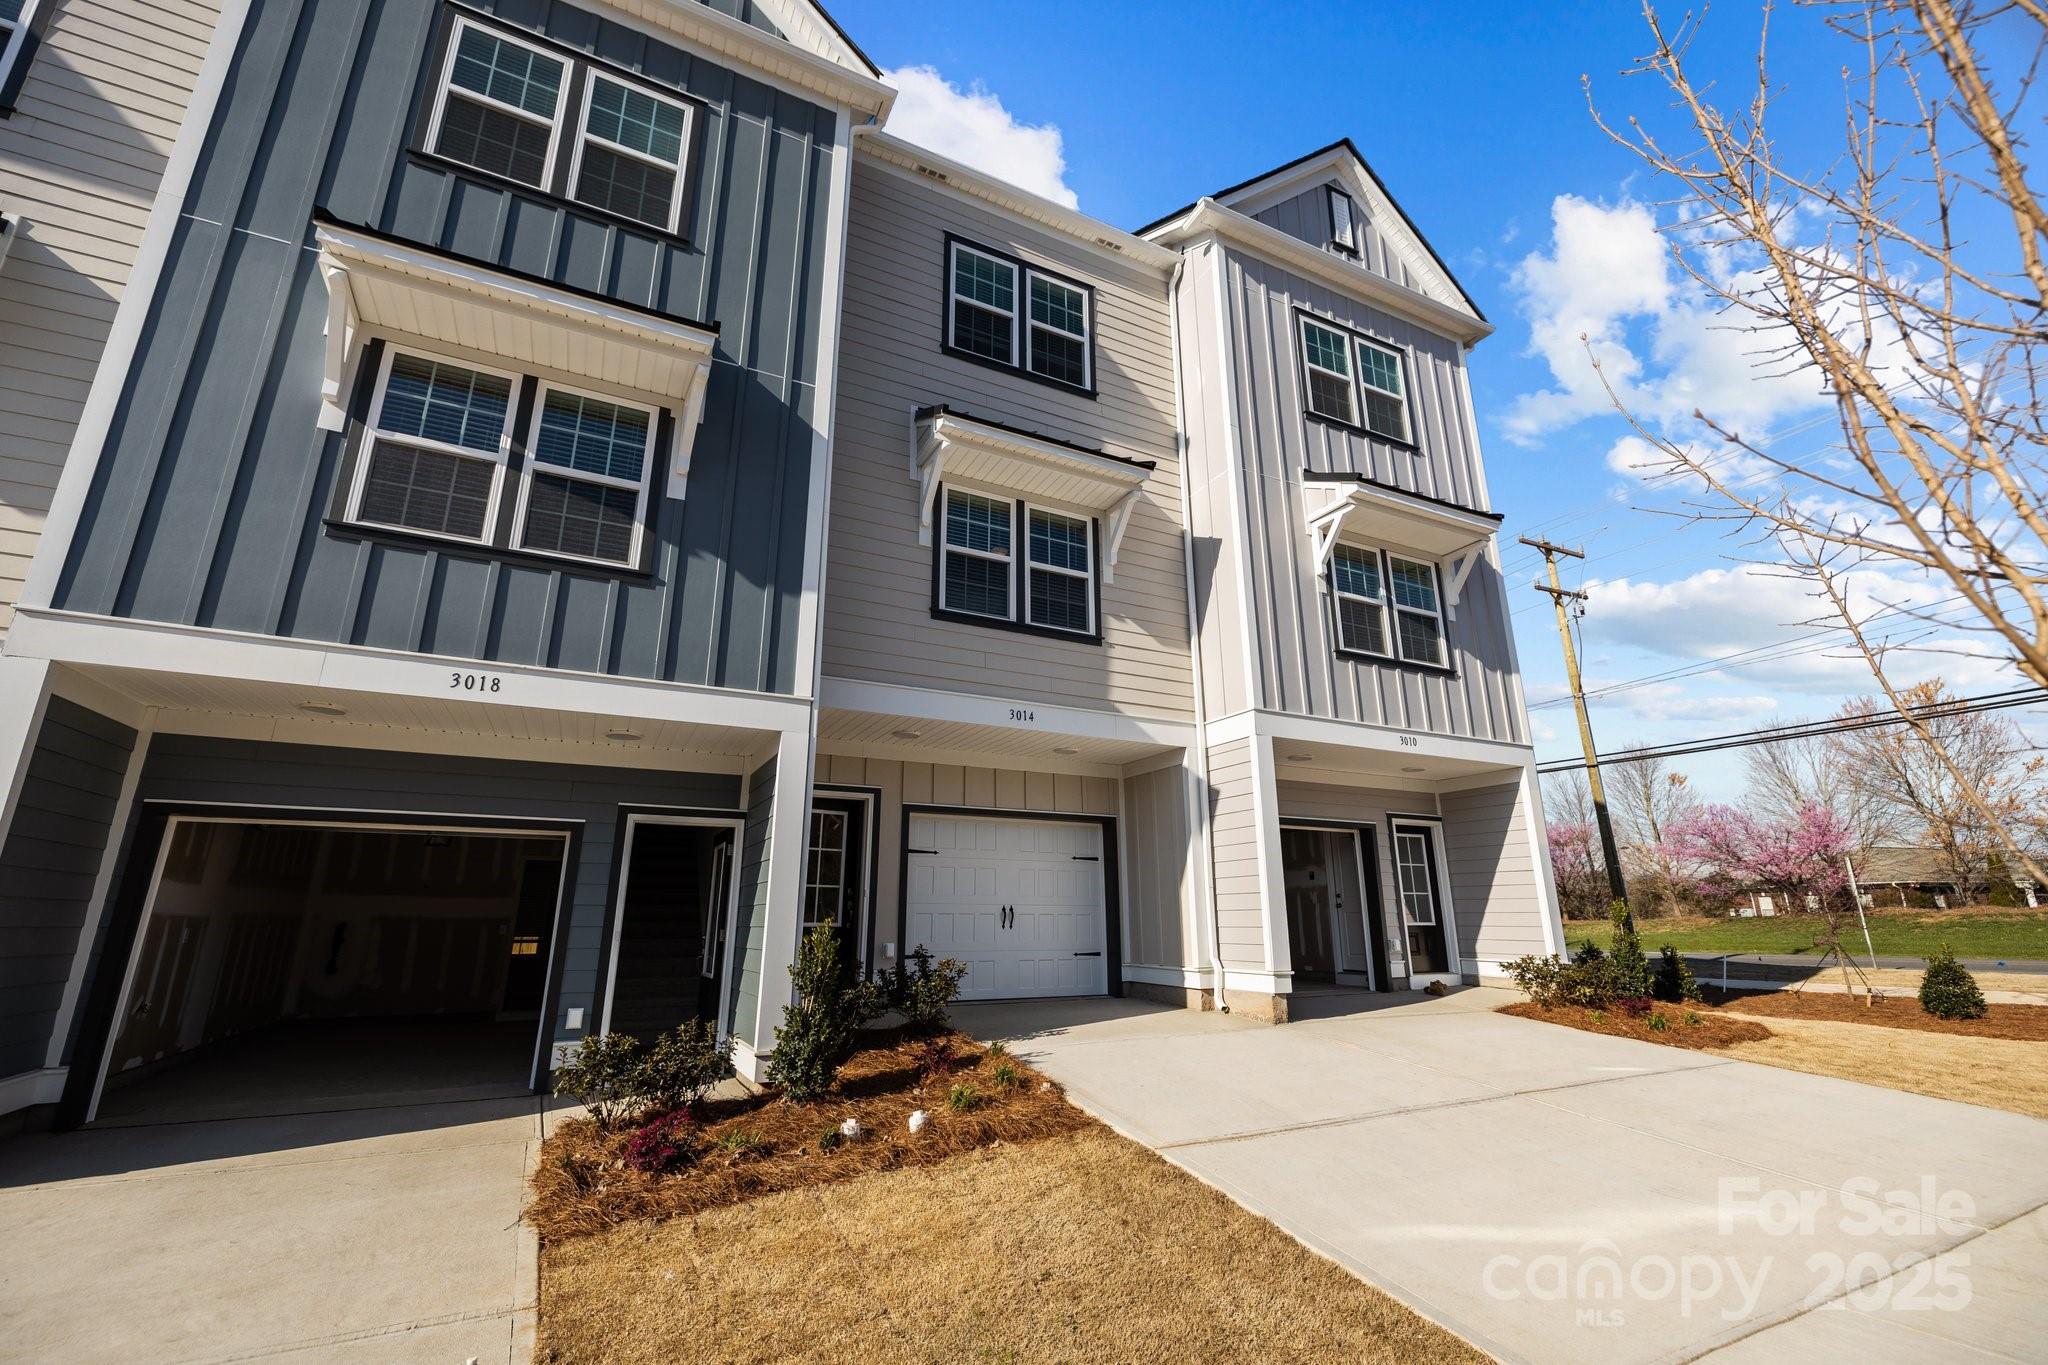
x=1086 y=858
x=1096 y=953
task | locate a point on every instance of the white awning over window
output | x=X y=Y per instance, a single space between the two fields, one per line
x=1390 y=517
x=376 y=284
x=953 y=446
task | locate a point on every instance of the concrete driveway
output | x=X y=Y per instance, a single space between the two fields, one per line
x=1554 y=1195
x=388 y=1235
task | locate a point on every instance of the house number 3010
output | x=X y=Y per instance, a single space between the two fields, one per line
x=475 y=682
x=1029 y=717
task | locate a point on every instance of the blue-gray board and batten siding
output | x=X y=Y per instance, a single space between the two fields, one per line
x=210 y=501
x=48 y=865
x=236 y=776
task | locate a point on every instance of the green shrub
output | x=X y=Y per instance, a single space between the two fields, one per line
x=742 y=1144
x=920 y=989
x=1673 y=981
x=1586 y=981
x=1948 y=991
x=831 y=1139
x=1692 y=1016
x=820 y=1027
x=1006 y=1076
x=604 y=1077
x=964 y=1098
x=1658 y=1023
x=1625 y=954
x=683 y=1065
x=998 y=1048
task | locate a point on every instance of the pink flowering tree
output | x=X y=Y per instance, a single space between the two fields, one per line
x=1576 y=866
x=1734 y=851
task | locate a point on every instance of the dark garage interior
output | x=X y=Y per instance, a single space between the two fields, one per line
x=292 y=968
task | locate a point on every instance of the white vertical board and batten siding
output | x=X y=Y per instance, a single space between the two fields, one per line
x=878 y=623
x=910 y=783
x=1307 y=216
x=1298 y=668
x=81 y=156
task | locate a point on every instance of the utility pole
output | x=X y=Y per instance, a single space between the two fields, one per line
x=1616 y=885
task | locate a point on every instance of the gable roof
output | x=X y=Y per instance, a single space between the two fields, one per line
x=1342 y=160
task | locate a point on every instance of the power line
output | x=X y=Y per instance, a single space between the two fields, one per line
x=1742 y=739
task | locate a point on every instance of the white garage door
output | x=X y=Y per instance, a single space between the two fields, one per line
x=1019 y=901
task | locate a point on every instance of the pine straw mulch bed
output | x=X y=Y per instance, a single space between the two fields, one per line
x=580 y=1186
x=1689 y=1026
x=1900 y=1010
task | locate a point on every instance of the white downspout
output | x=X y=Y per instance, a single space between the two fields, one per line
x=1198 y=800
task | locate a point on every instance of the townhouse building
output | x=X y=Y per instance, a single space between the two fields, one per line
x=569 y=500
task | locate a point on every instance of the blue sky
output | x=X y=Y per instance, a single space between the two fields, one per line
x=1474 y=117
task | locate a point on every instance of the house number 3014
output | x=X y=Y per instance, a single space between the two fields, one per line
x=475 y=682
x=1029 y=717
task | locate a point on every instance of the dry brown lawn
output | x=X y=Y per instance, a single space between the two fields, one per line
x=1084 y=1247
x=1995 y=1072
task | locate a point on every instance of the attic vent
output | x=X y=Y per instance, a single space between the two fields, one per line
x=1111 y=244
x=926 y=170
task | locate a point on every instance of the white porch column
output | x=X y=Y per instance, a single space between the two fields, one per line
x=782 y=922
x=24 y=696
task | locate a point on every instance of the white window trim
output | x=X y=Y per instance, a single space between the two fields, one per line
x=1384 y=602
x=591 y=76
x=1436 y=587
x=17 y=37
x=1019 y=303
x=1085 y=336
x=1344 y=229
x=1432 y=830
x=533 y=466
x=372 y=433
x=1350 y=380
x=447 y=84
x=947 y=547
x=1400 y=358
x=1031 y=566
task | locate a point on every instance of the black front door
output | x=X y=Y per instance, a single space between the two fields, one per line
x=836 y=873
x=675 y=893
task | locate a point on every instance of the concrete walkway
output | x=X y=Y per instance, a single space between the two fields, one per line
x=1553 y=1195
x=387 y=1235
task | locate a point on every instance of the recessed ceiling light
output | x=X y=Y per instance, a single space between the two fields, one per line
x=323 y=708
x=1411 y=770
x=908 y=734
x=622 y=732
x=1066 y=751
x=1299 y=758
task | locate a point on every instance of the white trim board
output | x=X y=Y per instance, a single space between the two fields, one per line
x=920 y=703
x=117 y=642
x=26 y=1089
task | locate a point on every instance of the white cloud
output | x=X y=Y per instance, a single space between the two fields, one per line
x=973 y=127
x=1717 y=614
x=1659 y=702
x=1606 y=284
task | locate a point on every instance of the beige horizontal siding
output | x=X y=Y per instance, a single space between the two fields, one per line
x=1495 y=883
x=878 y=622
x=1234 y=817
x=1162 y=926
x=80 y=160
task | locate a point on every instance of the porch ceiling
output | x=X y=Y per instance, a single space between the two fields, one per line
x=910 y=736
x=308 y=713
x=1296 y=760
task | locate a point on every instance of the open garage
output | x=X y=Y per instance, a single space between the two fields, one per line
x=291 y=967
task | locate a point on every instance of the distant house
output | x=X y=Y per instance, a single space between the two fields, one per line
x=1896 y=874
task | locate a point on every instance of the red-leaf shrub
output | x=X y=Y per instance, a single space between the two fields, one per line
x=667 y=1143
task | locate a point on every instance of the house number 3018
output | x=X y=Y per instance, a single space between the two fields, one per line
x=1029 y=717
x=475 y=682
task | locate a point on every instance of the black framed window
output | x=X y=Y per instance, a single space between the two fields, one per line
x=1388 y=606
x=1007 y=313
x=1326 y=354
x=1343 y=222
x=1003 y=561
x=1382 y=378
x=438 y=458
x=520 y=109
